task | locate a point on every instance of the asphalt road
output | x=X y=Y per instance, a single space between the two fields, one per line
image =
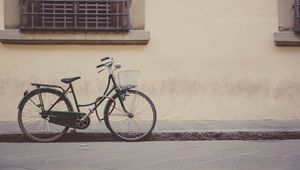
x=212 y=155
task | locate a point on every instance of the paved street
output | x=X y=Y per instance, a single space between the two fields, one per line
x=212 y=155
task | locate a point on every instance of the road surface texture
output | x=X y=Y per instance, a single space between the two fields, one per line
x=211 y=155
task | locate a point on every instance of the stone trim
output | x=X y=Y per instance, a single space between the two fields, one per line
x=134 y=37
x=285 y=15
x=286 y=39
x=286 y=35
x=11 y=14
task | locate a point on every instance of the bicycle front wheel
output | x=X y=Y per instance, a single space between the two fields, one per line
x=33 y=123
x=134 y=124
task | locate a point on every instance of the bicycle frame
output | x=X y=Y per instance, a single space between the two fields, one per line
x=97 y=103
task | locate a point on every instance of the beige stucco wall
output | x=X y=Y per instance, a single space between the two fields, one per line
x=206 y=60
x=2 y=15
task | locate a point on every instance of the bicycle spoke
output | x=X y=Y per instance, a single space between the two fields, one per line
x=138 y=125
x=34 y=103
x=133 y=102
x=120 y=110
x=146 y=107
x=33 y=126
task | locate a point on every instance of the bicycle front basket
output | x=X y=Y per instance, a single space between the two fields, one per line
x=128 y=79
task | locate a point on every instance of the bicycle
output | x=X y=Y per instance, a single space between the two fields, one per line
x=45 y=114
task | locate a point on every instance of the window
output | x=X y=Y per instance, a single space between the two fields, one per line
x=74 y=15
x=297 y=16
x=109 y=22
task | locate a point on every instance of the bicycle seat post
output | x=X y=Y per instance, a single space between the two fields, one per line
x=74 y=96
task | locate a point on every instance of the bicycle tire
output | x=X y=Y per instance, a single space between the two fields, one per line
x=125 y=135
x=34 y=133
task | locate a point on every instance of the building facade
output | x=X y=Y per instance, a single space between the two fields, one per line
x=199 y=59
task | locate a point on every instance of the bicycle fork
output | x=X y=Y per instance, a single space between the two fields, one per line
x=122 y=98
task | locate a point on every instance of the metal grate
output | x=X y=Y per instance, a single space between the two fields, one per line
x=297 y=16
x=74 y=15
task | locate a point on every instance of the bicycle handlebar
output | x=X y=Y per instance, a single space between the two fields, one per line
x=105 y=58
x=107 y=64
x=101 y=65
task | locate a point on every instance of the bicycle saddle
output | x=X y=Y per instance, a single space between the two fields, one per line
x=69 y=80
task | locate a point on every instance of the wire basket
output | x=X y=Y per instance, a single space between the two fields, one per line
x=128 y=79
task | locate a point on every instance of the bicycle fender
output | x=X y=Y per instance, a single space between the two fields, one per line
x=32 y=91
x=23 y=98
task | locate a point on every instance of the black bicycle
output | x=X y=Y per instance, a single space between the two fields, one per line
x=45 y=114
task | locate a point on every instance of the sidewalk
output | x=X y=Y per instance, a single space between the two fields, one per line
x=183 y=130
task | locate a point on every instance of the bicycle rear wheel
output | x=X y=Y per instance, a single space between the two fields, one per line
x=135 y=126
x=37 y=126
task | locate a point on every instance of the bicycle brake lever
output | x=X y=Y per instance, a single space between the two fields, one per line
x=100 y=71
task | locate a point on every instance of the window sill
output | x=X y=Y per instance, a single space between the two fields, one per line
x=286 y=38
x=133 y=37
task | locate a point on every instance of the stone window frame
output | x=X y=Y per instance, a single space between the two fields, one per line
x=286 y=36
x=74 y=15
x=136 y=36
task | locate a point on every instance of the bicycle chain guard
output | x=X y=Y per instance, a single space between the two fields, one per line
x=69 y=119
